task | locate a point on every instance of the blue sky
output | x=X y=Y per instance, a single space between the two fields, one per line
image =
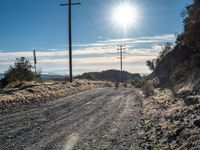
x=42 y=25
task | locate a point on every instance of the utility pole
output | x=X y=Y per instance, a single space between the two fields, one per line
x=70 y=35
x=121 y=49
x=35 y=60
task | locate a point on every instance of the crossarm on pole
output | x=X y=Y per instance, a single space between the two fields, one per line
x=71 y=4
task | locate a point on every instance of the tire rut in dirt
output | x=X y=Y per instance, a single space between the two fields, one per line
x=35 y=130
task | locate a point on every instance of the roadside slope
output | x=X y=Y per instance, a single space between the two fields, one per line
x=36 y=94
x=171 y=122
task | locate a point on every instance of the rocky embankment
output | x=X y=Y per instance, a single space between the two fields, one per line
x=35 y=94
x=171 y=121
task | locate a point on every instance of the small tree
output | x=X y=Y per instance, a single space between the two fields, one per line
x=21 y=71
x=150 y=64
x=166 y=48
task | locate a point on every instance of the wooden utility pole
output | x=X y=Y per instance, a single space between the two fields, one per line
x=121 y=49
x=70 y=35
x=35 y=60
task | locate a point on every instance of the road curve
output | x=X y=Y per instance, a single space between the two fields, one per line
x=93 y=120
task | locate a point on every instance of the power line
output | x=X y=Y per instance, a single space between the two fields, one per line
x=89 y=16
x=70 y=35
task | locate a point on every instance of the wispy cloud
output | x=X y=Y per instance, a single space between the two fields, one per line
x=95 y=56
x=139 y=40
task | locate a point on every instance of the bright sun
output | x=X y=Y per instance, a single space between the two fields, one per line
x=125 y=15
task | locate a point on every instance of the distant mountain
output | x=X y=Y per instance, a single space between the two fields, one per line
x=43 y=76
x=110 y=75
x=54 y=77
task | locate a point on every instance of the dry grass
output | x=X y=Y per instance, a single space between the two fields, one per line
x=41 y=92
x=169 y=122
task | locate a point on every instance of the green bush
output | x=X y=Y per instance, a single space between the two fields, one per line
x=20 y=71
x=125 y=85
x=108 y=84
x=150 y=64
x=117 y=85
x=148 y=90
x=138 y=83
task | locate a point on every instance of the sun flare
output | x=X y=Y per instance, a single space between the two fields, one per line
x=125 y=15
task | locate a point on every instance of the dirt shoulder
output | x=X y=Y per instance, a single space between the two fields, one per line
x=170 y=122
x=20 y=99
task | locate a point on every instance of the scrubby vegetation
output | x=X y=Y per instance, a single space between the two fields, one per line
x=170 y=122
x=116 y=85
x=166 y=48
x=109 y=75
x=171 y=113
x=180 y=64
x=148 y=90
x=188 y=68
x=151 y=64
x=138 y=83
x=36 y=94
x=19 y=72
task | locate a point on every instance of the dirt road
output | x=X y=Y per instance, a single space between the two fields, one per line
x=97 y=119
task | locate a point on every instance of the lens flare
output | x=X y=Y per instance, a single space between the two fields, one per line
x=71 y=141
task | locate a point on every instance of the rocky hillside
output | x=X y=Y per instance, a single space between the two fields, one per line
x=171 y=115
x=182 y=64
x=168 y=65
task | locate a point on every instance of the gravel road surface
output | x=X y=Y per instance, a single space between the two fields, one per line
x=99 y=119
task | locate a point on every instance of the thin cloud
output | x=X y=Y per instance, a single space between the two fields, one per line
x=96 y=55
